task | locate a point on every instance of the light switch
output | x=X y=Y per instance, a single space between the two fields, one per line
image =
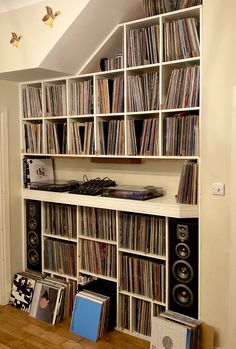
x=218 y=189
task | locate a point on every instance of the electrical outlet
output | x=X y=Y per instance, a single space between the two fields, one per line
x=218 y=189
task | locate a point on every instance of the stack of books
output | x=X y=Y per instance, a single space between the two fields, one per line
x=90 y=315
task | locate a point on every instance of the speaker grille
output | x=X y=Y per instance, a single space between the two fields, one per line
x=183 y=266
x=33 y=235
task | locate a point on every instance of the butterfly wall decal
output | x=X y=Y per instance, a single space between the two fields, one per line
x=15 y=39
x=49 y=18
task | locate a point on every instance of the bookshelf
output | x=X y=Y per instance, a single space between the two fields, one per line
x=132 y=109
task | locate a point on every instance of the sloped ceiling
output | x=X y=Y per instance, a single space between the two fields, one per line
x=64 y=49
x=10 y=5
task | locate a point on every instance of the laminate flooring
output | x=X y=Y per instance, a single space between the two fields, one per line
x=19 y=331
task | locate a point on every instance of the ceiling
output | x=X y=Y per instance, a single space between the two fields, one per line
x=9 y=5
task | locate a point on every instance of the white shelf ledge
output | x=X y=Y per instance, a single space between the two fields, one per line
x=163 y=206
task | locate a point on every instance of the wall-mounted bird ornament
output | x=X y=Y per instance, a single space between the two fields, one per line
x=49 y=18
x=15 y=40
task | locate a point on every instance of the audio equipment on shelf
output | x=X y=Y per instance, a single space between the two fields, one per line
x=33 y=235
x=136 y=192
x=183 y=266
x=93 y=186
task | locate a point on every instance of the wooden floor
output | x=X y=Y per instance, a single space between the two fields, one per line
x=19 y=331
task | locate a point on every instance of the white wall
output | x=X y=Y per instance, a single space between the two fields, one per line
x=37 y=38
x=9 y=98
x=163 y=173
x=219 y=77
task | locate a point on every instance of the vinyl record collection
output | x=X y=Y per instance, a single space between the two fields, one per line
x=81 y=97
x=60 y=257
x=55 y=100
x=82 y=137
x=177 y=330
x=111 y=137
x=181 y=135
x=98 y=223
x=111 y=95
x=157 y=309
x=116 y=62
x=142 y=314
x=60 y=220
x=143 y=136
x=134 y=111
x=142 y=317
x=143 y=276
x=98 y=258
x=187 y=190
x=32 y=102
x=33 y=138
x=143 y=92
x=181 y=39
x=156 y=7
x=90 y=315
x=143 y=233
x=183 y=89
x=52 y=300
x=181 y=4
x=44 y=297
x=143 y=46
x=125 y=312
x=56 y=138
x=23 y=289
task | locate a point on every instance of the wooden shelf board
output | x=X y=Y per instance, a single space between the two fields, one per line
x=163 y=206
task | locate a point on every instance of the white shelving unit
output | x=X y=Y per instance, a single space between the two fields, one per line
x=165 y=206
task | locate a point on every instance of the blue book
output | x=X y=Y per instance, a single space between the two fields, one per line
x=86 y=317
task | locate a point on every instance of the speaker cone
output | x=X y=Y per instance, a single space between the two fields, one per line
x=182 y=271
x=33 y=257
x=182 y=232
x=182 y=295
x=32 y=224
x=33 y=239
x=182 y=250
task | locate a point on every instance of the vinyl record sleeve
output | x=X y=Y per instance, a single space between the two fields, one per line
x=86 y=317
x=168 y=334
x=22 y=292
x=41 y=170
x=45 y=302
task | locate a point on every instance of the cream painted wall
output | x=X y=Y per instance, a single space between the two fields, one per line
x=37 y=38
x=9 y=98
x=163 y=173
x=219 y=76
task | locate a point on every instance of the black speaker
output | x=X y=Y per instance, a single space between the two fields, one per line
x=183 y=266
x=33 y=235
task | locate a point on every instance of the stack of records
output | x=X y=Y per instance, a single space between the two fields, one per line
x=173 y=330
x=49 y=298
x=90 y=315
x=23 y=289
